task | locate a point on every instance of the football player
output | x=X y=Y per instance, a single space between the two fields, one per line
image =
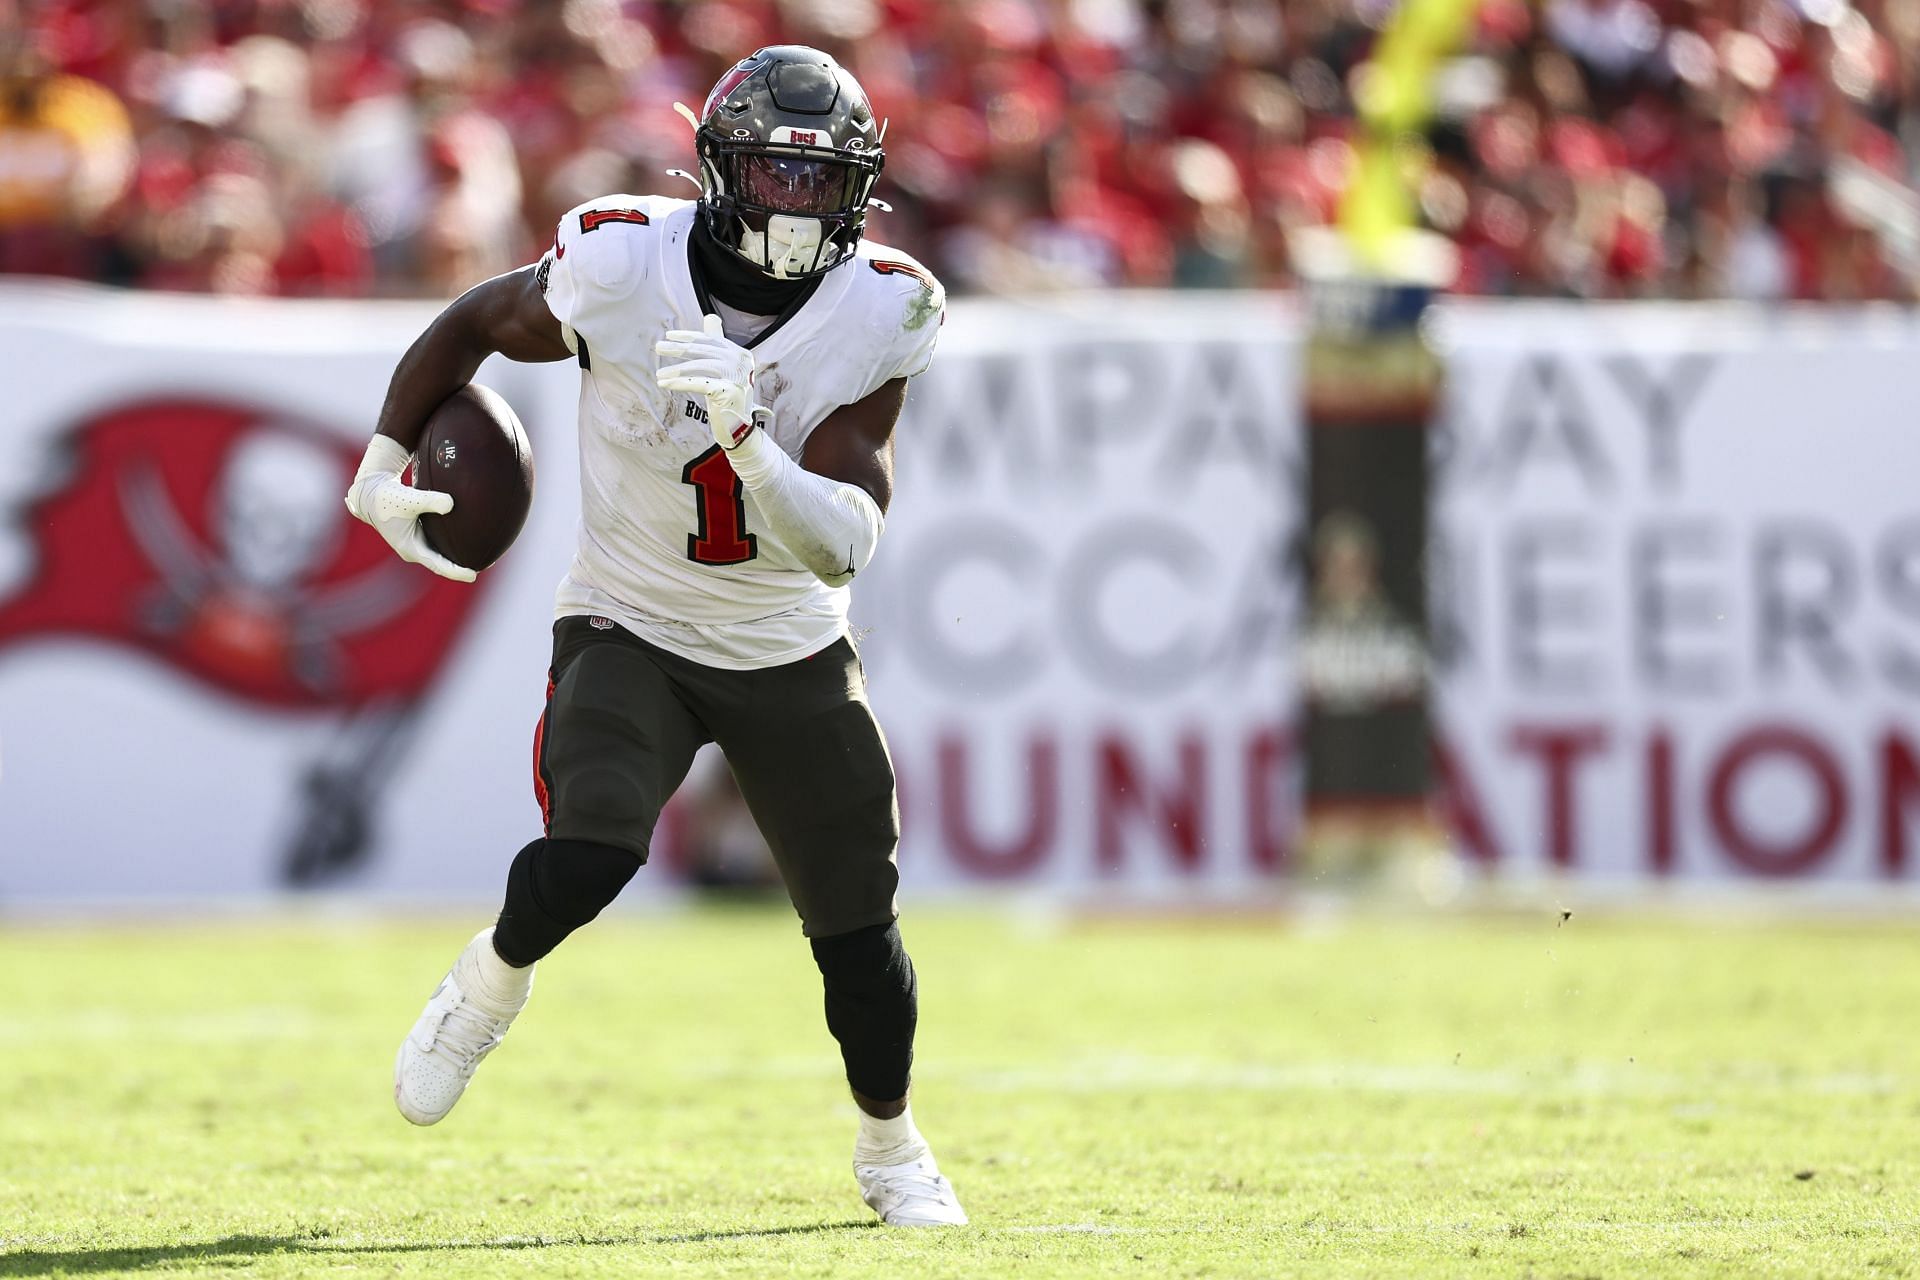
x=742 y=359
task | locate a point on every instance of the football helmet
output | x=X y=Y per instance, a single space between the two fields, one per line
x=788 y=158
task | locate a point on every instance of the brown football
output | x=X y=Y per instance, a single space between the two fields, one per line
x=475 y=449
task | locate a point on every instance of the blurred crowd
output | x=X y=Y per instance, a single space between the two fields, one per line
x=1595 y=148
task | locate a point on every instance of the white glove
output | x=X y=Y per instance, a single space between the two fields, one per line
x=712 y=366
x=379 y=497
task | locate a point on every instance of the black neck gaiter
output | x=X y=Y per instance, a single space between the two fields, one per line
x=729 y=278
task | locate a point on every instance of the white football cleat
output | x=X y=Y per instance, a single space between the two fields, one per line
x=446 y=1045
x=910 y=1195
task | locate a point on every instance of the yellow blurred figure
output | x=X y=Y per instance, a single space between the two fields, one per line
x=1394 y=96
x=66 y=146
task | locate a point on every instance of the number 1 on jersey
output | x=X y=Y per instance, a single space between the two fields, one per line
x=722 y=537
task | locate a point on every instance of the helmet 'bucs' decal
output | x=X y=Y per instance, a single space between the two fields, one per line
x=214 y=538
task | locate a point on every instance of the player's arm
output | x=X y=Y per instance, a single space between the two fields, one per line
x=506 y=314
x=855 y=444
x=829 y=512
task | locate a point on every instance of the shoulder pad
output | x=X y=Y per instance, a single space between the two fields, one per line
x=598 y=241
x=906 y=306
x=602 y=253
x=922 y=299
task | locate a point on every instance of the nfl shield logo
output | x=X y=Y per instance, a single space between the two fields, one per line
x=599 y=623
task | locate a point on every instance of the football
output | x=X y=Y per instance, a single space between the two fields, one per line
x=474 y=448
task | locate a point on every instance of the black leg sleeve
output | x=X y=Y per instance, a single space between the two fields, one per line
x=873 y=1006
x=554 y=887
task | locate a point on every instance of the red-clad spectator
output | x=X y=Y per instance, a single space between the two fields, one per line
x=1606 y=148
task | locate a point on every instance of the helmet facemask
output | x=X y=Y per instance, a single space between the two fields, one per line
x=791 y=212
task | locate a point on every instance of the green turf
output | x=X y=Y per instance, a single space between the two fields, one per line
x=1389 y=1097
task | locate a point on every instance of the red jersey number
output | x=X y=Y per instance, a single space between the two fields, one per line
x=722 y=537
x=595 y=218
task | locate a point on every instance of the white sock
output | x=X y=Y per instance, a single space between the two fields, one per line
x=884 y=1142
x=490 y=980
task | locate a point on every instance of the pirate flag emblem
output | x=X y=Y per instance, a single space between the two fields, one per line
x=212 y=537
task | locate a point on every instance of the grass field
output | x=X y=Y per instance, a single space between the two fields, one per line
x=1389 y=1097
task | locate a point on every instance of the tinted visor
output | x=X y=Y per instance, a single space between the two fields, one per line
x=792 y=184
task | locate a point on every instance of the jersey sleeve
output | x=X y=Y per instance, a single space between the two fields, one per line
x=595 y=263
x=910 y=308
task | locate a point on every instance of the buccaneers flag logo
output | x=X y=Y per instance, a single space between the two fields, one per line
x=213 y=537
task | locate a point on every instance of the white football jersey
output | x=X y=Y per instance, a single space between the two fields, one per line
x=671 y=545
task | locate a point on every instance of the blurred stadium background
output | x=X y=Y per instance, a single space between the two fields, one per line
x=1626 y=615
x=1673 y=569
x=1582 y=148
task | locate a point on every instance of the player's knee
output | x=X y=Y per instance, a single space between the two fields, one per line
x=603 y=806
x=576 y=879
x=554 y=887
x=865 y=963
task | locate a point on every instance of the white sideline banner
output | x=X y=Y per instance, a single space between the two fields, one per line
x=1677 y=589
x=1677 y=586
